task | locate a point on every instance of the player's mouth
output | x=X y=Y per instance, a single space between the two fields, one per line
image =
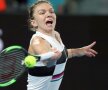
x=49 y=23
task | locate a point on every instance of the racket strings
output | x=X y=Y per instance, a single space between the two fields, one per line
x=10 y=65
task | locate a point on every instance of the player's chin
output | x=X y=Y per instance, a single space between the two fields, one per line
x=50 y=28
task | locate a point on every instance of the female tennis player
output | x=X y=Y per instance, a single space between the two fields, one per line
x=48 y=73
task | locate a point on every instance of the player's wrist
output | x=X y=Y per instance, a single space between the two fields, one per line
x=80 y=52
x=46 y=56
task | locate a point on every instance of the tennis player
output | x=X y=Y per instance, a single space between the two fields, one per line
x=48 y=73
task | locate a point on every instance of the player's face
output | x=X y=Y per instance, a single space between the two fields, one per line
x=44 y=17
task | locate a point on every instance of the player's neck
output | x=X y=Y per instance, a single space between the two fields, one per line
x=49 y=33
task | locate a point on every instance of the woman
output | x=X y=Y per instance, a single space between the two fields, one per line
x=48 y=72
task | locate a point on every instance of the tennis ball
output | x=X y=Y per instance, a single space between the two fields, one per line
x=30 y=61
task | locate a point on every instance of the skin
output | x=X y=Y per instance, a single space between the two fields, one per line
x=42 y=13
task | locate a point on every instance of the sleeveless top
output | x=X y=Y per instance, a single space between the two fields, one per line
x=40 y=69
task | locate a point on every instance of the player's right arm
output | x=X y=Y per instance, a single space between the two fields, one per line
x=41 y=46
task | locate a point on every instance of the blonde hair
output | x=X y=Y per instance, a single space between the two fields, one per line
x=31 y=12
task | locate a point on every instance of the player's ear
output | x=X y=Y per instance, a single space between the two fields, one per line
x=34 y=23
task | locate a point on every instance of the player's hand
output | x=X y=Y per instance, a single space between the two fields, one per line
x=88 y=51
x=57 y=54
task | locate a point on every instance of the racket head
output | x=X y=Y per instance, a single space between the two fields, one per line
x=11 y=66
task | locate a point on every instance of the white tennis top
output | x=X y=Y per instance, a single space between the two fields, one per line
x=43 y=78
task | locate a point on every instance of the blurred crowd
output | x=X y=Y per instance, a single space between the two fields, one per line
x=64 y=7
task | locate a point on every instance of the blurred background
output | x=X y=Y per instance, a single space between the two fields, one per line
x=80 y=22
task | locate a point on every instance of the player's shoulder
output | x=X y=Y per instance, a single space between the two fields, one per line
x=37 y=40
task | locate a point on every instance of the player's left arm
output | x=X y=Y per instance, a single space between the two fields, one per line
x=86 y=50
x=78 y=52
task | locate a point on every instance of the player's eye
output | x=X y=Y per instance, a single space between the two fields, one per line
x=42 y=12
x=52 y=11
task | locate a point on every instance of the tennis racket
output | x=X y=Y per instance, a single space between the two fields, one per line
x=11 y=64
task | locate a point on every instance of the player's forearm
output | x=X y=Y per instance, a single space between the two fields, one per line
x=75 y=52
